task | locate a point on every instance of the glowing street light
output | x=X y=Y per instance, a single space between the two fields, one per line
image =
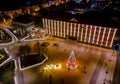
x=58 y=66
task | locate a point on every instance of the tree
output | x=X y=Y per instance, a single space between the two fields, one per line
x=37 y=47
x=27 y=50
x=21 y=50
x=24 y=50
x=71 y=63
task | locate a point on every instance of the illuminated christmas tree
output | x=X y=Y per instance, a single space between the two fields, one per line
x=71 y=63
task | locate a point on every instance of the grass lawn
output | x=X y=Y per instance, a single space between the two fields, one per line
x=4 y=55
x=7 y=73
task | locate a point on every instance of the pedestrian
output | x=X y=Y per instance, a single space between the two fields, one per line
x=42 y=70
x=105 y=64
x=85 y=72
x=68 y=69
x=50 y=76
x=84 y=67
x=50 y=81
x=62 y=81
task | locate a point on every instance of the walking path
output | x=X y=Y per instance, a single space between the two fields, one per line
x=116 y=78
x=97 y=70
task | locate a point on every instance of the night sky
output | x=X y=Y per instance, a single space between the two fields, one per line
x=14 y=4
x=10 y=4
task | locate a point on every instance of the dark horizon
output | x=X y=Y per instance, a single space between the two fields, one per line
x=15 y=4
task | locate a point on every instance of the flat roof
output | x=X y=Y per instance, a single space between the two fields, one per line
x=92 y=18
x=25 y=19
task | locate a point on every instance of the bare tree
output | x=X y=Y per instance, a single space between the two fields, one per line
x=27 y=50
x=24 y=50
x=37 y=47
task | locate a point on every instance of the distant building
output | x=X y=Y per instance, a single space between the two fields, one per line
x=57 y=2
x=91 y=34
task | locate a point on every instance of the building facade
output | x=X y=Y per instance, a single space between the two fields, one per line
x=96 y=35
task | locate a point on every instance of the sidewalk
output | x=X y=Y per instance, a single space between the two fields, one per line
x=107 y=70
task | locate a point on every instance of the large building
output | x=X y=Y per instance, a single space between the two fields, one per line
x=96 y=35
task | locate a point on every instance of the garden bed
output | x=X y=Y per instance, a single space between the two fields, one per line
x=30 y=60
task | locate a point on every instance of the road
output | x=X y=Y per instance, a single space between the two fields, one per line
x=116 y=77
x=97 y=70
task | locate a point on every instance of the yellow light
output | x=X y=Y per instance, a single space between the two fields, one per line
x=94 y=35
x=49 y=26
x=68 y=28
x=78 y=35
x=71 y=29
x=52 y=26
x=98 y=34
x=55 y=28
x=46 y=23
x=81 y=34
x=108 y=37
x=113 y=37
x=46 y=68
x=61 y=28
x=89 y=35
x=74 y=29
x=58 y=66
x=51 y=65
x=64 y=28
x=86 y=32
x=58 y=28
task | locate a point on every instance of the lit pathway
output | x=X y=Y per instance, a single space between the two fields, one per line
x=116 y=79
x=97 y=70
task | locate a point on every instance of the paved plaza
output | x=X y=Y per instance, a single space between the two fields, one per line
x=95 y=64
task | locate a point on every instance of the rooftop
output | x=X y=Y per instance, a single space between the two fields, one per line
x=24 y=19
x=91 y=18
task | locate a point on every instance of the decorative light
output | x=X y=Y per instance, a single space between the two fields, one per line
x=103 y=36
x=108 y=37
x=89 y=35
x=58 y=66
x=113 y=37
x=81 y=33
x=98 y=35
